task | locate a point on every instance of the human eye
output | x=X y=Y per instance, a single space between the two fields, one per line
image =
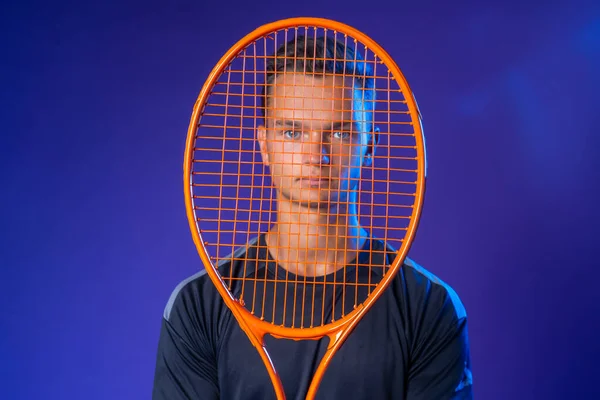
x=291 y=134
x=341 y=135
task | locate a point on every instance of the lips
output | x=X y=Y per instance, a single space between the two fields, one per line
x=314 y=181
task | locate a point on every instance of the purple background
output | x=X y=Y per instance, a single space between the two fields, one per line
x=95 y=101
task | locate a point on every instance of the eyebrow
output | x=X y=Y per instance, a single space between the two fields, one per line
x=295 y=124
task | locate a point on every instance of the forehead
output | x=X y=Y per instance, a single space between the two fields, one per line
x=311 y=97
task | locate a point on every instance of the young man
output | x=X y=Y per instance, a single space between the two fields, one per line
x=412 y=344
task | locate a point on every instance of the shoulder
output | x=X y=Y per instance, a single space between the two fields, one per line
x=418 y=290
x=196 y=311
x=198 y=289
x=197 y=292
x=189 y=291
x=438 y=334
x=198 y=295
x=427 y=290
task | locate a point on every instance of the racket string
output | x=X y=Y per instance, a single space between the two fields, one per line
x=235 y=197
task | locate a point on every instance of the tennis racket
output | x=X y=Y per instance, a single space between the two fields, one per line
x=231 y=192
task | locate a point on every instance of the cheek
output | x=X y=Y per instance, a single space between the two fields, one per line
x=358 y=152
x=289 y=154
x=282 y=158
x=346 y=155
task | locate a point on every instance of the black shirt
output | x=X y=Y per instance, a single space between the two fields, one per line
x=412 y=344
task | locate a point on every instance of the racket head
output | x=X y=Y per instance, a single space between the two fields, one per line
x=217 y=227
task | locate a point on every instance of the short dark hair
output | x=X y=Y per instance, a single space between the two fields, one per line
x=314 y=56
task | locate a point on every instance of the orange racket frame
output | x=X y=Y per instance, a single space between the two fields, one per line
x=338 y=330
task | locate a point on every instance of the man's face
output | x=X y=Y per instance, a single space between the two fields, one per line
x=310 y=142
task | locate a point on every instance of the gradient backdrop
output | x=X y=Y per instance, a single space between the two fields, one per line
x=94 y=104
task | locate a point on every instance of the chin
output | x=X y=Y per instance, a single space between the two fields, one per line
x=318 y=205
x=317 y=199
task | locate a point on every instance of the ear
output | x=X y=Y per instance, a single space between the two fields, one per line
x=371 y=145
x=261 y=135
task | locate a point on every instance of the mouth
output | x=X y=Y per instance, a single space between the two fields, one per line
x=314 y=181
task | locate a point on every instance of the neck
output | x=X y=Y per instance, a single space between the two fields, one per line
x=315 y=241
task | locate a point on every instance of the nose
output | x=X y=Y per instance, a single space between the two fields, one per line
x=317 y=151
